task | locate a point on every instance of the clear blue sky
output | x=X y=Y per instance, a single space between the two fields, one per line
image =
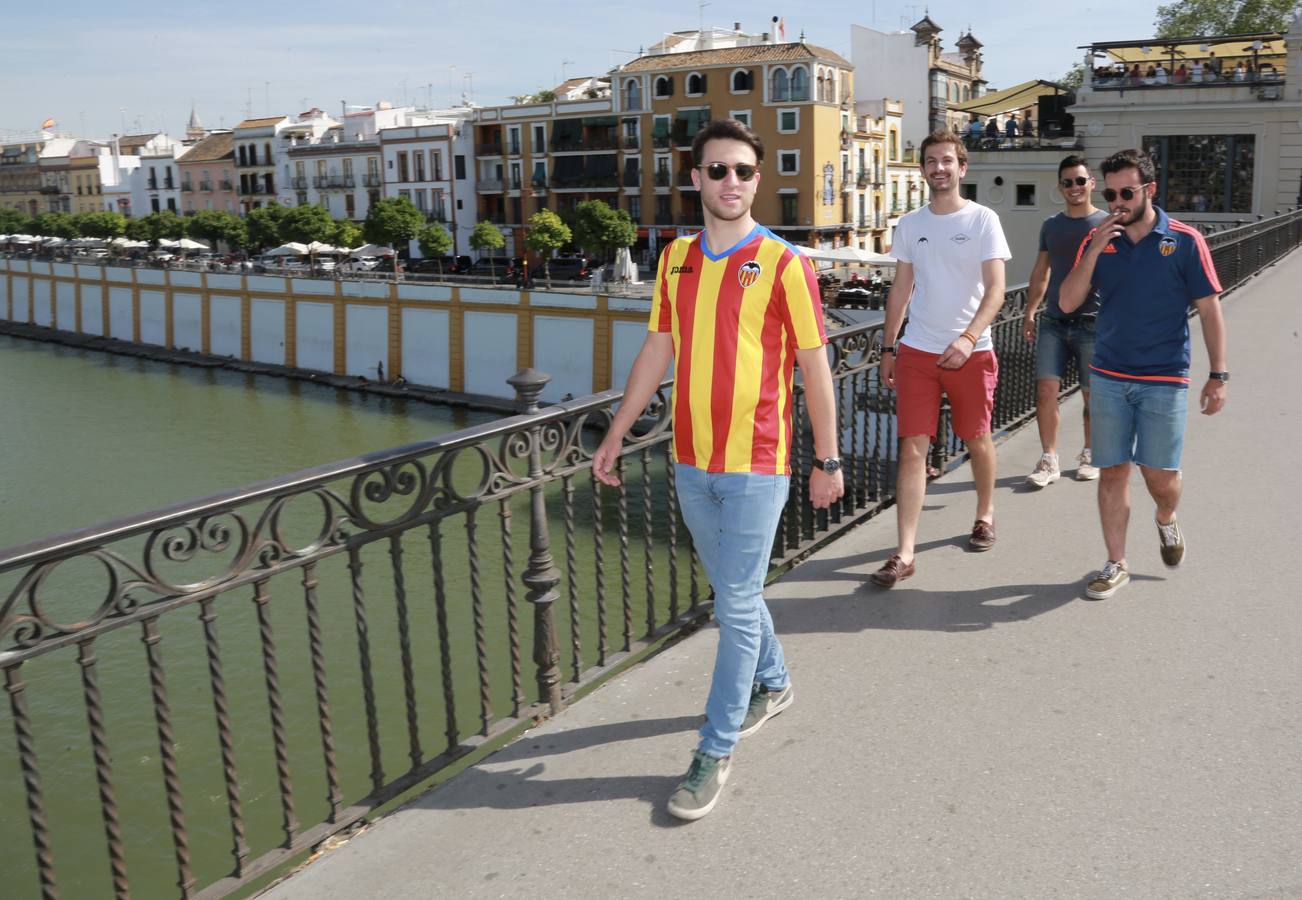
x=94 y=66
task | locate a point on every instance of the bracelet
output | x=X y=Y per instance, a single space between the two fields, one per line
x=968 y=335
x=888 y=350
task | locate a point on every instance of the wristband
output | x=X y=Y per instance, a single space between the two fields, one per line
x=888 y=350
x=968 y=335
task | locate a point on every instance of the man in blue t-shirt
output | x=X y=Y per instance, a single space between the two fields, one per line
x=1062 y=336
x=1148 y=270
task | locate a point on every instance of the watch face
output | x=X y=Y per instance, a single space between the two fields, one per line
x=831 y=465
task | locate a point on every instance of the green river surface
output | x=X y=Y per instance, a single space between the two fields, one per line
x=87 y=437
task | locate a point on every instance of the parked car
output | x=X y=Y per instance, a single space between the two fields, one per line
x=440 y=265
x=501 y=268
x=364 y=263
x=568 y=268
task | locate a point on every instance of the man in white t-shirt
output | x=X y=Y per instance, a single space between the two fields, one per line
x=950 y=279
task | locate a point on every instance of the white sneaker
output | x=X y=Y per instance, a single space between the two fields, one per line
x=1086 y=471
x=1046 y=471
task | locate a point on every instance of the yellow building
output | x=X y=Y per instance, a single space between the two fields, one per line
x=632 y=147
x=83 y=175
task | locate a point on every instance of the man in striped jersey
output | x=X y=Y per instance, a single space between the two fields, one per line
x=736 y=308
x=1148 y=269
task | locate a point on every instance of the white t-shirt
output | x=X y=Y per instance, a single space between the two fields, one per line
x=946 y=253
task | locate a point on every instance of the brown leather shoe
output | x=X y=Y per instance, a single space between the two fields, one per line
x=894 y=570
x=983 y=536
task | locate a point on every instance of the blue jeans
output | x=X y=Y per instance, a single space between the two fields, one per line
x=1059 y=339
x=733 y=517
x=1139 y=421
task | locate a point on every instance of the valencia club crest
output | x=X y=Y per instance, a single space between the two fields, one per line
x=749 y=273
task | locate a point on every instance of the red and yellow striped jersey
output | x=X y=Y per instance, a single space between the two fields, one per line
x=737 y=320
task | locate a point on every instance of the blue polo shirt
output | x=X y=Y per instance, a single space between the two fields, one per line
x=1145 y=291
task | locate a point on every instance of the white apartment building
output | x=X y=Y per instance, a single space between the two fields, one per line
x=430 y=163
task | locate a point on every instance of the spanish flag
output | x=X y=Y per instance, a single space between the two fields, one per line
x=47 y=124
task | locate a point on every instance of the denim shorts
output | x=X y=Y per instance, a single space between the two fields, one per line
x=1060 y=339
x=1137 y=421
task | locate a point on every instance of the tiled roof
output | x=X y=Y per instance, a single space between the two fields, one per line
x=214 y=147
x=129 y=143
x=259 y=123
x=725 y=56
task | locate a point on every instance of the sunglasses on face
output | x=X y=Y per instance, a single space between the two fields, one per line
x=1078 y=181
x=1127 y=193
x=719 y=171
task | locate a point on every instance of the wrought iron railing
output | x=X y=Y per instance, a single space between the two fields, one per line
x=314 y=646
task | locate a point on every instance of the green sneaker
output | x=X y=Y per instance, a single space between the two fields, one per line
x=701 y=787
x=764 y=705
x=1172 y=542
x=1108 y=581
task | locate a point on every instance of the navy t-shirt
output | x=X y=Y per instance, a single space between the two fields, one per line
x=1145 y=291
x=1060 y=237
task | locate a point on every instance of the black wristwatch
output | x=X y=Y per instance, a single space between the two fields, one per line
x=1219 y=376
x=831 y=465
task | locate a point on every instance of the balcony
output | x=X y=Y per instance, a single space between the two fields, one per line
x=373 y=179
x=205 y=186
x=585 y=183
x=515 y=184
x=49 y=189
x=333 y=182
x=539 y=184
x=150 y=185
x=298 y=182
x=168 y=185
x=489 y=185
x=227 y=184
x=513 y=149
x=484 y=150
x=632 y=179
x=660 y=141
x=630 y=142
x=662 y=179
x=863 y=179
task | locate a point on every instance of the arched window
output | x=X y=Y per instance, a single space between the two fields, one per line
x=632 y=94
x=822 y=86
x=695 y=83
x=241 y=155
x=799 y=83
x=781 y=86
x=664 y=86
x=741 y=81
x=894 y=145
x=967 y=93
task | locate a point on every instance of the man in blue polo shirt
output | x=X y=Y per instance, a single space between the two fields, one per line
x=1147 y=269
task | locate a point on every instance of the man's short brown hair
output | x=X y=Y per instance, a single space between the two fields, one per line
x=730 y=130
x=943 y=137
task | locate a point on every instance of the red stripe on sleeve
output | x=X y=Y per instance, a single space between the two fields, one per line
x=1080 y=251
x=665 y=322
x=1204 y=253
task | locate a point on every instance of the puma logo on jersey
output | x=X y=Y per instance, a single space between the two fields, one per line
x=681 y=270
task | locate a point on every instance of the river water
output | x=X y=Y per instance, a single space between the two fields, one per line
x=86 y=437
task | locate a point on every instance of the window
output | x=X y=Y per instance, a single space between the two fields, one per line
x=153 y=202
x=788 y=121
x=635 y=208
x=799 y=83
x=790 y=208
x=1204 y=173
x=1025 y=195
x=513 y=140
x=781 y=87
x=350 y=206
x=419 y=158
x=664 y=86
x=632 y=94
x=742 y=81
x=539 y=139
x=893 y=141
x=741 y=115
x=435 y=163
x=402 y=166
x=695 y=84
x=459 y=164
x=788 y=162
x=539 y=178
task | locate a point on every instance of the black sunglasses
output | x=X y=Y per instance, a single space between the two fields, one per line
x=1079 y=181
x=1127 y=193
x=719 y=171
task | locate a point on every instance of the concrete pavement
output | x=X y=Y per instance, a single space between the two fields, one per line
x=981 y=731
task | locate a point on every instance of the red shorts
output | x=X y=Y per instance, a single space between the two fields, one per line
x=919 y=382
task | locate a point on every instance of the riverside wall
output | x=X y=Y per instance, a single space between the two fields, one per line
x=456 y=338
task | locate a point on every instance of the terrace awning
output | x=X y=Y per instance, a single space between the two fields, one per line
x=1016 y=97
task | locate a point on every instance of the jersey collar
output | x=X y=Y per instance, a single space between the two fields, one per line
x=715 y=257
